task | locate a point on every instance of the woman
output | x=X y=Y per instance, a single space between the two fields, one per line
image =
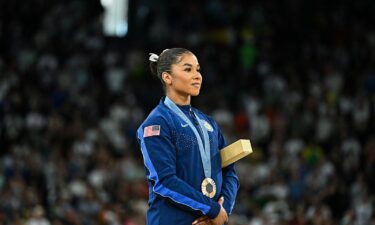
x=180 y=147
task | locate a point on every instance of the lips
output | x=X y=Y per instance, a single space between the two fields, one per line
x=196 y=84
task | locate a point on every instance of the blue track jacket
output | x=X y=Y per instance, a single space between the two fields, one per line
x=174 y=168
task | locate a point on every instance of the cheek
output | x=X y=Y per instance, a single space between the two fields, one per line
x=182 y=81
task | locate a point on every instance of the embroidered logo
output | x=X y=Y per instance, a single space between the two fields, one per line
x=184 y=125
x=153 y=130
x=208 y=126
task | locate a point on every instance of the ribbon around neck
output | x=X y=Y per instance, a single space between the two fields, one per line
x=204 y=145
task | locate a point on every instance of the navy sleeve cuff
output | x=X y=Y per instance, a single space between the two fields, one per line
x=214 y=211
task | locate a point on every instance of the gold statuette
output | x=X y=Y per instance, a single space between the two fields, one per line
x=208 y=187
x=235 y=152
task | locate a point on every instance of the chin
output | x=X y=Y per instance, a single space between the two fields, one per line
x=195 y=93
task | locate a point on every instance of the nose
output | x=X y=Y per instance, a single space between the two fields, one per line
x=197 y=76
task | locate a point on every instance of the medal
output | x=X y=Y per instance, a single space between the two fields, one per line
x=208 y=187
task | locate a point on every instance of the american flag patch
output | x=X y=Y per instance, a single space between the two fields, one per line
x=153 y=130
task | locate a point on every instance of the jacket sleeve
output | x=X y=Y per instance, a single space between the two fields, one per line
x=230 y=182
x=159 y=154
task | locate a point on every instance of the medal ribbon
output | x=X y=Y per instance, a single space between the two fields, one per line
x=204 y=145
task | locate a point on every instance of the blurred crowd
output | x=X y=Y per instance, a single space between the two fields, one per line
x=297 y=78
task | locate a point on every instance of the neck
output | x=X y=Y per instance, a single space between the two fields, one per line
x=179 y=99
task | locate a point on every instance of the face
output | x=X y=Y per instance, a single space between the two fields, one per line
x=185 y=78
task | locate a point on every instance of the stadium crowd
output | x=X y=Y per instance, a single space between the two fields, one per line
x=295 y=77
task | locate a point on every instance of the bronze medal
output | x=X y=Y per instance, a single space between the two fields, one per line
x=208 y=187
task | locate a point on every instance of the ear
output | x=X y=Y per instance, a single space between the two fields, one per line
x=167 y=78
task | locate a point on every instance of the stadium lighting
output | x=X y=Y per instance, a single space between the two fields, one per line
x=115 y=20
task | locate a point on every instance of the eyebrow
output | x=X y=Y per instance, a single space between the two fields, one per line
x=188 y=64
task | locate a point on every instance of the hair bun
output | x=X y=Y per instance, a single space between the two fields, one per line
x=153 y=57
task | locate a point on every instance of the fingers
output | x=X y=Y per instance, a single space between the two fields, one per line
x=221 y=200
x=206 y=222
x=199 y=220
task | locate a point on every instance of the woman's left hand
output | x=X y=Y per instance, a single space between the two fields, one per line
x=204 y=220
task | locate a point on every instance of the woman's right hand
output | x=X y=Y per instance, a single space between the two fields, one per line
x=222 y=217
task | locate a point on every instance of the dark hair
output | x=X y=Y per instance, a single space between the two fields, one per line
x=165 y=61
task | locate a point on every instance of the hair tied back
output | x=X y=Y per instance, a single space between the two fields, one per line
x=153 y=57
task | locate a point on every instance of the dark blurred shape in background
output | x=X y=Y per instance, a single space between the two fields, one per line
x=296 y=77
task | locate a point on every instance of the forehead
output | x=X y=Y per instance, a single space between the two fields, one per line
x=187 y=59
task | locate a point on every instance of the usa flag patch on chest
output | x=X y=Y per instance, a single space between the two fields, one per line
x=153 y=130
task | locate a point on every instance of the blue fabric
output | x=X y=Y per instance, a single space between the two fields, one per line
x=175 y=172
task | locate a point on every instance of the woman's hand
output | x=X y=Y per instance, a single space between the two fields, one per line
x=223 y=216
x=220 y=219
x=204 y=220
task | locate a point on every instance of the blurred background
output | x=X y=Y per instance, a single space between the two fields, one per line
x=295 y=77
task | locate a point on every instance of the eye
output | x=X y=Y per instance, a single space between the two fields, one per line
x=187 y=69
x=199 y=70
